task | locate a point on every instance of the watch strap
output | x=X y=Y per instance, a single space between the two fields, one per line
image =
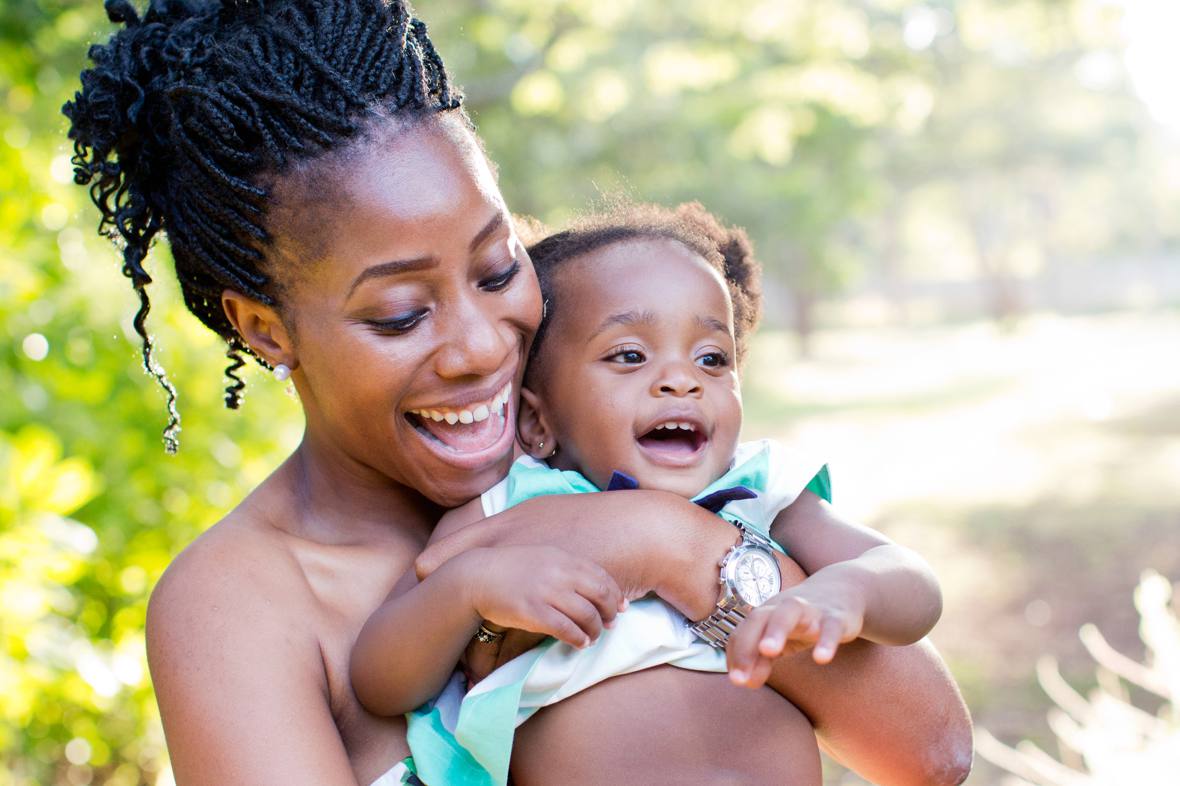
x=716 y=628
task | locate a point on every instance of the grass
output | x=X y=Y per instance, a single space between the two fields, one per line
x=1035 y=468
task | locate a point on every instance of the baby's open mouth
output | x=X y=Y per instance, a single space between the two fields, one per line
x=470 y=429
x=674 y=440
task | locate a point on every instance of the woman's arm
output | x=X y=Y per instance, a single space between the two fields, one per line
x=238 y=675
x=892 y=714
x=647 y=540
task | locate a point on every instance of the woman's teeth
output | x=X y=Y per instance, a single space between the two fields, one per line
x=476 y=414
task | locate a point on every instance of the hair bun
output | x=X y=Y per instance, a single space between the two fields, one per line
x=742 y=269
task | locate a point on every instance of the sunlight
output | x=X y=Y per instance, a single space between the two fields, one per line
x=1152 y=56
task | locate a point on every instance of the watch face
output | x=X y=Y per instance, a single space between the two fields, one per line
x=756 y=577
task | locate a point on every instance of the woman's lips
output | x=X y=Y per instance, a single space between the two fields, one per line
x=470 y=413
x=469 y=438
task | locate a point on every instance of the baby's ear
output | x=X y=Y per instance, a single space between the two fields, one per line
x=532 y=426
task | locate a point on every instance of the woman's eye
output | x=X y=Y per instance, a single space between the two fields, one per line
x=502 y=280
x=627 y=356
x=713 y=360
x=399 y=324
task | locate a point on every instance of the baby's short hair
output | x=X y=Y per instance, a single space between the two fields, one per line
x=727 y=249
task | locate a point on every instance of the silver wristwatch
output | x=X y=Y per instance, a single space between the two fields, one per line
x=749 y=577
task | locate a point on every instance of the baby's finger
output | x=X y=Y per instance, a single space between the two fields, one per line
x=807 y=628
x=553 y=622
x=783 y=621
x=742 y=649
x=760 y=673
x=600 y=588
x=830 y=632
x=584 y=614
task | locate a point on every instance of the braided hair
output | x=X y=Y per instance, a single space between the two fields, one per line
x=192 y=109
x=726 y=249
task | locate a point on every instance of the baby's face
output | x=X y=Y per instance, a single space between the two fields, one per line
x=639 y=368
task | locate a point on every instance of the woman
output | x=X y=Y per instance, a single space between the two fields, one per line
x=332 y=214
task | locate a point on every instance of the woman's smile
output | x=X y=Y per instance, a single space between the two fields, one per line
x=468 y=433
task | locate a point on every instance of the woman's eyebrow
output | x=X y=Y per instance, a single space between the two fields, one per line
x=495 y=223
x=411 y=265
x=391 y=269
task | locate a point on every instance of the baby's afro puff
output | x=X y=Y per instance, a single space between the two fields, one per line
x=725 y=248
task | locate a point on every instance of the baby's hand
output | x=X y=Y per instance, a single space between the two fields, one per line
x=805 y=616
x=545 y=590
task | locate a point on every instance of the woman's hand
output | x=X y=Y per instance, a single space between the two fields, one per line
x=545 y=590
x=814 y=614
x=647 y=540
x=482 y=658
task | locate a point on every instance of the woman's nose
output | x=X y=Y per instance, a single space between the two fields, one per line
x=676 y=379
x=476 y=344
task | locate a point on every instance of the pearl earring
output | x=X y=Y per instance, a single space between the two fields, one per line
x=282 y=372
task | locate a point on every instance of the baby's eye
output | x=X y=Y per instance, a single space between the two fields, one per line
x=713 y=359
x=626 y=356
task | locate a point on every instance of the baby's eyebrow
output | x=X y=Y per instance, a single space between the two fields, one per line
x=626 y=318
x=712 y=323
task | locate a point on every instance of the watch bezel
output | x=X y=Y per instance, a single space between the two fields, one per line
x=729 y=569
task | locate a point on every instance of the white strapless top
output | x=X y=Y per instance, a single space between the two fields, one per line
x=396 y=776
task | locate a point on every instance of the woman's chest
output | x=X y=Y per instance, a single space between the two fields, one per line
x=346 y=592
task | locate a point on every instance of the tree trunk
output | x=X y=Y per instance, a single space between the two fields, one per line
x=804 y=323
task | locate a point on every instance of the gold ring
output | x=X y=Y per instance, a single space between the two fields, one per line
x=485 y=635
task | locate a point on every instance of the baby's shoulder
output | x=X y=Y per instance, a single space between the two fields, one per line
x=778 y=474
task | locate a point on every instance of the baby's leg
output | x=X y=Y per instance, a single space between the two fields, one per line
x=667 y=725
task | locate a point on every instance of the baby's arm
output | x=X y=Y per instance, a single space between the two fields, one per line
x=859 y=585
x=893 y=713
x=423 y=627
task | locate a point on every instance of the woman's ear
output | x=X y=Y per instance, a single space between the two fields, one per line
x=532 y=426
x=260 y=326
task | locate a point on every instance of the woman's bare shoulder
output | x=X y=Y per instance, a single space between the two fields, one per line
x=232 y=645
x=235 y=588
x=238 y=559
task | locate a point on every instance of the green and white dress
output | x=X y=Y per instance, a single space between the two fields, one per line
x=465 y=738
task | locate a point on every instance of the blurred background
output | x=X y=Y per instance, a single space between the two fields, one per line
x=969 y=216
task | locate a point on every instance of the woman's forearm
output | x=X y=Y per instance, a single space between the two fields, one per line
x=410 y=645
x=647 y=540
x=892 y=714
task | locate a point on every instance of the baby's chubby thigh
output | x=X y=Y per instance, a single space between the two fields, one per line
x=667 y=725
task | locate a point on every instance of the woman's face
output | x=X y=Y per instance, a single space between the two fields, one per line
x=410 y=303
